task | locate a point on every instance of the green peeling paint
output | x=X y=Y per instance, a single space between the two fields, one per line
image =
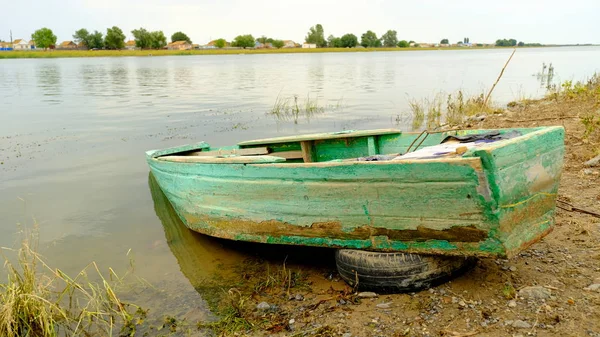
x=502 y=194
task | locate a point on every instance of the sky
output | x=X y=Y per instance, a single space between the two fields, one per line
x=482 y=21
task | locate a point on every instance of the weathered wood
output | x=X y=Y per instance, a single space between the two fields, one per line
x=288 y=154
x=177 y=149
x=307 y=151
x=321 y=136
x=492 y=201
x=223 y=160
x=372 y=145
x=252 y=151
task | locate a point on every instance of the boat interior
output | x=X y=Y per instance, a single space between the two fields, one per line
x=368 y=145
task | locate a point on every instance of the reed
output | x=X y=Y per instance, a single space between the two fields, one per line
x=39 y=301
x=291 y=108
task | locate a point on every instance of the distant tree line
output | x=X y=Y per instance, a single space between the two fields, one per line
x=513 y=43
x=144 y=39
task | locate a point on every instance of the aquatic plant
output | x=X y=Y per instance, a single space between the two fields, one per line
x=40 y=301
x=290 y=108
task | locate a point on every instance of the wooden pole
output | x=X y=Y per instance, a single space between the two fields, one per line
x=498 y=79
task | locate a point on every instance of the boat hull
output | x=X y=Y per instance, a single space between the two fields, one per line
x=491 y=202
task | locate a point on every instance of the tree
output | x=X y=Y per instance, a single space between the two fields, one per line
x=316 y=35
x=244 y=41
x=277 y=44
x=390 y=38
x=82 y=36
x=349 y=41
x=143 y=38
x=96 y=41
x=334 y=42
x=44 y=38
x=506 y=43
x=180 y=36
x=263 y=39
x=220 y=43
x=158 y=39
x=521 y=44
x=370 y=39
x=114 y=39
x=444 y=41
x=403 y=44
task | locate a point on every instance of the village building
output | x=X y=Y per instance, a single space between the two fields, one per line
x=179 y=45
x=67 y=45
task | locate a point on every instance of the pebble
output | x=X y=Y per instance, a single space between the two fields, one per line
x=347 y=334
x=384 y=305
x=593 y=287
x=519 y=324
x=299 y=297
x=535 y=292
x=292 y=321
x=342 y=302
x=512 y=268
x=263 y=306
x=512 y=304
x=367 y=294
x=462 y=304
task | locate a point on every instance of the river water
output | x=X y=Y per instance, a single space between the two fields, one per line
x=73 y=134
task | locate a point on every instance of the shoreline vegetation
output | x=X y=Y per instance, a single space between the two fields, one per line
x=15 y=54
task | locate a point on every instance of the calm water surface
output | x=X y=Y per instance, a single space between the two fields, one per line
x=73 y=134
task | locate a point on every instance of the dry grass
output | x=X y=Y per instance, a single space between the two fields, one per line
x=454 y=111
x=40 y=301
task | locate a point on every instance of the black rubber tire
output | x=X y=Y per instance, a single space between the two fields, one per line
x=397 y=272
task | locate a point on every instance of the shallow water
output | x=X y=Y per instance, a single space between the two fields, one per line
x=73 y=134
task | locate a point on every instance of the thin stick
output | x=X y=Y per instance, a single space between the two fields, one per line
x=498 y=79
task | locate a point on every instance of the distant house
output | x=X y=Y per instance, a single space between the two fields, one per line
x=179 y=45
x=309 y=45
x=289 y=44
x=213 y=44
x=20 y=44
x=258 y=45
x=130 y=45
x=67 y=45
x=4 y=46
x=32 y=44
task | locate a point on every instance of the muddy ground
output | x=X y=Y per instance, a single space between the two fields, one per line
x=489 y=300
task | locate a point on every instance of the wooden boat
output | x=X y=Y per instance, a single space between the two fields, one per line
x=493 y=199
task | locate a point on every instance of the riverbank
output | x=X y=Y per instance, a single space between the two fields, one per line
x=139 y=53
x=547 y=290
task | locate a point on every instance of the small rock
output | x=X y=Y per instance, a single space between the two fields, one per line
x=299 y=297
x=462 y=304
x=292 y=321
x=593 y=287
x=588 y=171
x=535 y=292
x=263 y=306
x=384 y=305
x=519 y=324
x=367 y=294
x=342 y=302
x=512 y=268
x=347 y=334
x=512 y=304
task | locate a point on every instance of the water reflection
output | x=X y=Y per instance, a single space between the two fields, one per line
x=119 y=75
x=204 y=260
x=48 y=79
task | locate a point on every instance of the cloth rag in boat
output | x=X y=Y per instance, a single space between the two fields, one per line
x=451 y=145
